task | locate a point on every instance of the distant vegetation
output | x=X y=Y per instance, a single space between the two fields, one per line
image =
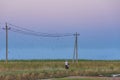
x=39 y=69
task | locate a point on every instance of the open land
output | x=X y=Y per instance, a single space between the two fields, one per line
x=54 y=70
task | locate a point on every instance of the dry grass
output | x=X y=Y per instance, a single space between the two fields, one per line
x=31 y=70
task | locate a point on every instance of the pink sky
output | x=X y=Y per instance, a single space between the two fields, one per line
x=50 y=14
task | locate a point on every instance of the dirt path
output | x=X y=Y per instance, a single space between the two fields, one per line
x=106 y=78
x=83 y=77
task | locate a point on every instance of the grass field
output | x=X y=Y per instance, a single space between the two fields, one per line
x=40 y=69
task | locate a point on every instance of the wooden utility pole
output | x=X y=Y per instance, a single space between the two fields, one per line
x=6 y=29
x=75 y=54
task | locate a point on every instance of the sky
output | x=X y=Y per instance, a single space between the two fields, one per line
x=97 y=22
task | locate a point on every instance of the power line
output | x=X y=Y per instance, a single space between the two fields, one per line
x=1 y=25
x=41 y=34
x=36 y=34
x=26 y=31
x=22 y=32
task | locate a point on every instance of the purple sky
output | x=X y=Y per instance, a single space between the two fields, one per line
x=63 y=14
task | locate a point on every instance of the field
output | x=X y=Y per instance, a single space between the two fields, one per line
x=43 y=69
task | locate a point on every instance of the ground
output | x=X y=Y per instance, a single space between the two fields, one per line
x=85 y=78
x=55 y=69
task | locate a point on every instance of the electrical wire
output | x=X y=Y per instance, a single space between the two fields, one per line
x=36 y=34
x=41 y=33
x=26 y=31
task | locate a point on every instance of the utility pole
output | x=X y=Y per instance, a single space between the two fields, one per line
x=75 y=54
x=6 y=29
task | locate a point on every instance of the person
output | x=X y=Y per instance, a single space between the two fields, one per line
x=66 y=65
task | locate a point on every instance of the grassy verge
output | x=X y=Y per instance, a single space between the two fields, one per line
x=39 y=69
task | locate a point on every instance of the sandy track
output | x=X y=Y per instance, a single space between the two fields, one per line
x=106 y=78
x=82 y=77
